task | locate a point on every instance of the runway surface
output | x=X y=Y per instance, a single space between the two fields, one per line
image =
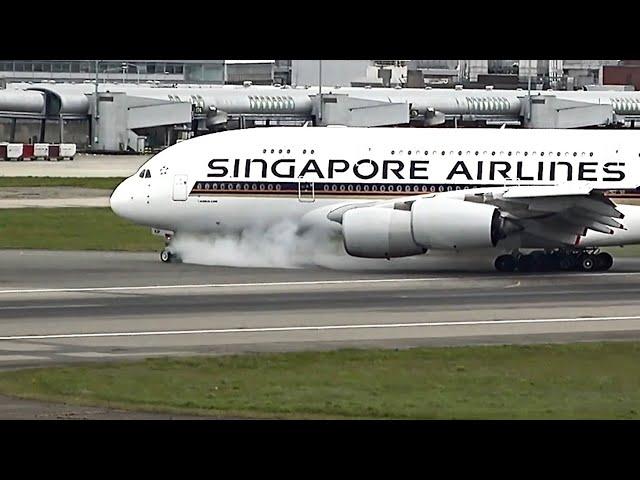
x=79 y=306
x=50 y=197
x=83 y=165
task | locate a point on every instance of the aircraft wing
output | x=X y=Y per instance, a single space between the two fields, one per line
x=554 y=215
x=558 y=213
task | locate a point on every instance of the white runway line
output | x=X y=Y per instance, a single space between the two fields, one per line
x=316 y=328
x=20 y=358
x=222 y=285
x=301 y=283
x=37 y=307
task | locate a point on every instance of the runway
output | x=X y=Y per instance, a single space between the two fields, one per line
x=59 y=307
x=53 y=197
x=83 y=165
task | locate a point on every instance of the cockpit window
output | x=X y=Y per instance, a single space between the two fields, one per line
x=148 y=174
x=142 y=174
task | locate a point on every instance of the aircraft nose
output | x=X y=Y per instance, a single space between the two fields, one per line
x=118 y=200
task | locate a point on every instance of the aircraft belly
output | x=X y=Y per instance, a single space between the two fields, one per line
x=232 y=214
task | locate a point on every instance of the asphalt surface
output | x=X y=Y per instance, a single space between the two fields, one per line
x=67 y=307
x=83 y=165
x=48 y=197
x=59 y=307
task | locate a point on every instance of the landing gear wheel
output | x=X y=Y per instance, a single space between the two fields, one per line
x=538 y=261
x=166 y=256
x=566 y=262
x=525 y=263
x=552 y=262
x=586 y=262
x=604 y=261
x=505 y=263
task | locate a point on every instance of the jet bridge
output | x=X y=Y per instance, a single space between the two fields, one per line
x=342 y=109
x=549 y=111
x=117 y=119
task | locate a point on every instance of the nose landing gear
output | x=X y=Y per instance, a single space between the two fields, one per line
x=167 y=255
x=548 y=261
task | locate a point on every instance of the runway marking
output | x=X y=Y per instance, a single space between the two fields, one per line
x=301 y=283
x=36 y=307
x=221 y=285
x=316 y=328
x=19 y=358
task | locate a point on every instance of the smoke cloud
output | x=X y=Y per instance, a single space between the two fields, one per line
x=283 y=245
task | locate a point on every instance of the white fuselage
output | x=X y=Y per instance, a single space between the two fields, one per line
x=257 y=177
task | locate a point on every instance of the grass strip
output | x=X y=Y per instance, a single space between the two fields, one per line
x=568 y=381
x=73 y=229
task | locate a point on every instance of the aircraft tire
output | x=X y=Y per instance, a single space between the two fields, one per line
x=567 y=262
x=586 y=262
x=525 y=263
x=505 y=263
x=539 y=261
x=604 y=261
x=166 y=256
x=553 y=262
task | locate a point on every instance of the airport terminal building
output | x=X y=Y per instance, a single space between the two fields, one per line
x=143 y=105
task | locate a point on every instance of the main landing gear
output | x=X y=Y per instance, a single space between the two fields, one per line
x=548 y=261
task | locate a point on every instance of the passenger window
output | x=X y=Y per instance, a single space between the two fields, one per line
x=148 y=174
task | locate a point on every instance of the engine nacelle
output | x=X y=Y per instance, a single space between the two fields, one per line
x=375 y=232
x=446 y=223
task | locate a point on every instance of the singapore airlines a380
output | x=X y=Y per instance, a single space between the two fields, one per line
x=533 y=200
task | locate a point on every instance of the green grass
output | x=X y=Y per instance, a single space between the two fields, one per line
x=73 y=229
x=588 y=380
x=90 y=182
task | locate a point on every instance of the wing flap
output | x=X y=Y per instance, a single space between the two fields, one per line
x=566 y=209
x=565 y=189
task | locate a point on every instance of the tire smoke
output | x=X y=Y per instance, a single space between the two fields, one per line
x=283 y=245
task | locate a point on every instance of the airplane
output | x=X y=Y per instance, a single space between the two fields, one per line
x=536 y=200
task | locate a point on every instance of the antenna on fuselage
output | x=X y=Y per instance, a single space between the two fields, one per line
x=307 y=123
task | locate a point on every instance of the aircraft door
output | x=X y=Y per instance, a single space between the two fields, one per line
x=306 y=191
x=180 y=192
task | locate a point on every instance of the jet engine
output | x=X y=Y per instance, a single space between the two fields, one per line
x=432 y=223
x=448 y=223
x=376 y=232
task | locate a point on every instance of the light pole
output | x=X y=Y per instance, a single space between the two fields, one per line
x=320 y=88
x=97 y=116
